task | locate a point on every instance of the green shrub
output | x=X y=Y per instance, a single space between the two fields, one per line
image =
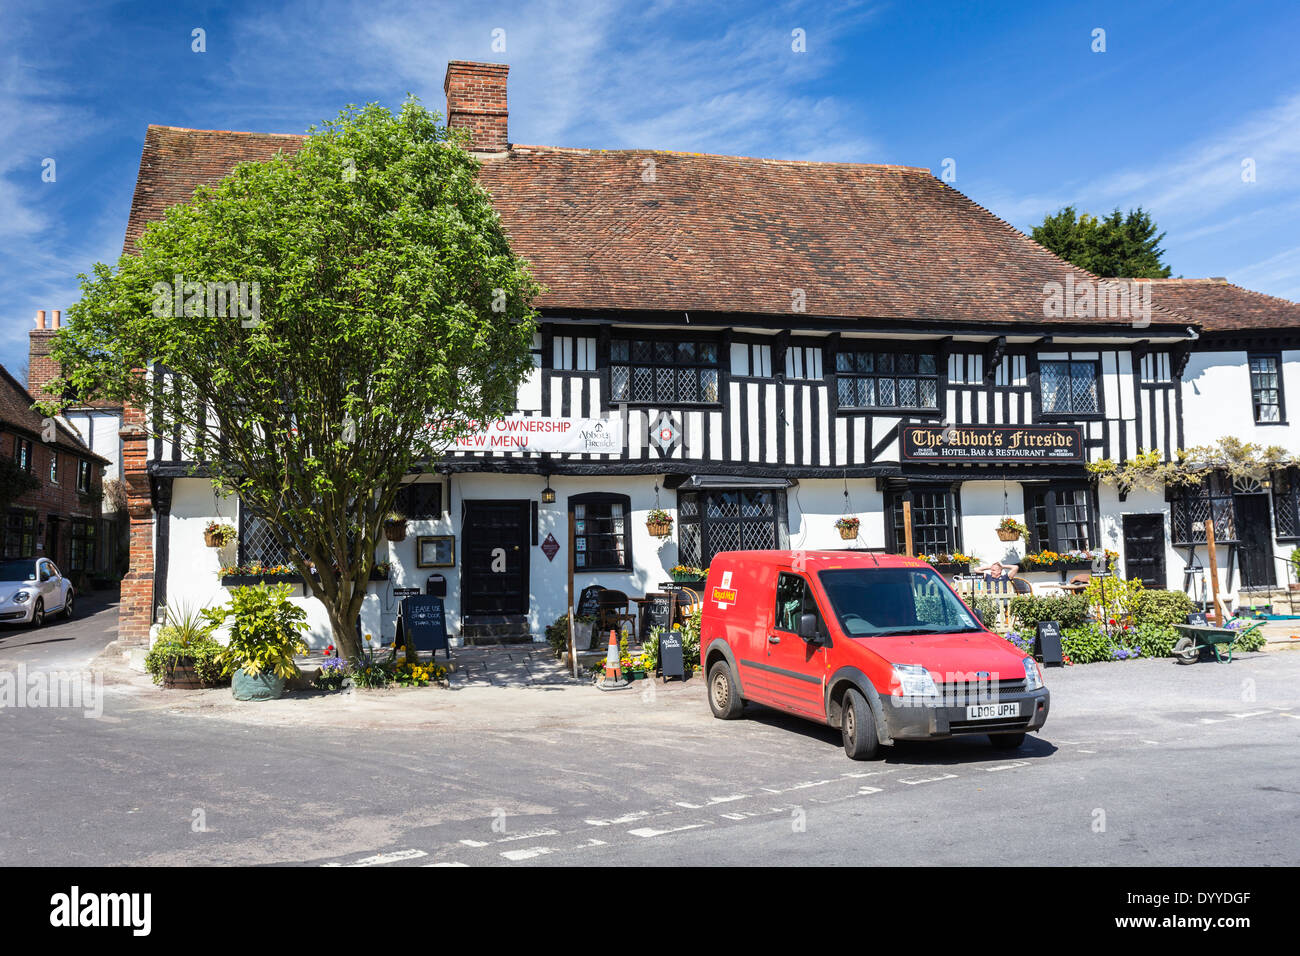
x=1086 y=644
x=1070 y=610
x=1154 y=640
x=170 y=647
x=987 y=609
x=1250 y=642
x=265 y=630
x=1162 y=608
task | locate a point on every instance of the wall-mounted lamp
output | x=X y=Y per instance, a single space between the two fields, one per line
x=548 y=494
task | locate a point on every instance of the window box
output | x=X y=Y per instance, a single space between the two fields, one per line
x=244 y=580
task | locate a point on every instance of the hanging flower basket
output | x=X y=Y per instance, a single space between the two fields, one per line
x=218 y=535
x=848 y=528
x=1012 y=530
x=395 y=528
x=659 y=523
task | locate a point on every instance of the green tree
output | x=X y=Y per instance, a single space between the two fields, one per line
x=383 y=311
x=1117 y=246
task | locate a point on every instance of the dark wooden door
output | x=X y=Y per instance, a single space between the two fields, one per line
x=1144 y=549
x=1255 y=534
x=494 y=557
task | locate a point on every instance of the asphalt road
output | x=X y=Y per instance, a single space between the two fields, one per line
x=1140 y=762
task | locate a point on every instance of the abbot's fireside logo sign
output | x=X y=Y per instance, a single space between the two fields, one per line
x=1057 y=444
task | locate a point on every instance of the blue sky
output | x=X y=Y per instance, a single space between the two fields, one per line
x=1011 y=92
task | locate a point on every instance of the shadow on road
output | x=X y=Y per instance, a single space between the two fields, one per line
x=971 y=749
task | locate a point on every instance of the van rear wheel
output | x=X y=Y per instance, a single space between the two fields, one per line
x=858 y=726
x=724 y=699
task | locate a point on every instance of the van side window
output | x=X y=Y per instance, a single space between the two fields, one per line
x=793 y=598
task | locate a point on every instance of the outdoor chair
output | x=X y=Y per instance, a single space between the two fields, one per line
x=612 y=611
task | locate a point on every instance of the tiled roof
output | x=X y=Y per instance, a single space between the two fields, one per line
x=16 y=413
x=712 y=233
x=1219 y=306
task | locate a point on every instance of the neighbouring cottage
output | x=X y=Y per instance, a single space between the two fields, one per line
x=61 y=518
x=759 y=348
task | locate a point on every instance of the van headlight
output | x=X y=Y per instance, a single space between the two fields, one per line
x=21 y=596
x=1033 y=674
x=914 y=681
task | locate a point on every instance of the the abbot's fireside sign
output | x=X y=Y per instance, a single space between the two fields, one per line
x=522 y=433
x=1059 y=444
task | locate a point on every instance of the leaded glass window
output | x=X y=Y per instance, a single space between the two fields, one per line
x=1212 y=498
x=887 y=380
x=728 y=520
x=1069 y=388
x=1266 y=388
x=663 y=373
x=600 y=530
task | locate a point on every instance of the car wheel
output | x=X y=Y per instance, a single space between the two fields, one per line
x=724 y=699
x=1185 y=651
x=1006 y=741
x=67 y=606
x=858 y=726
x=38 y=613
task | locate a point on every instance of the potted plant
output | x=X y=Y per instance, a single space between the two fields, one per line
x=686 y=572
x=218 y=534
x=185 y=657
x=265 y=636
x=395 y=526
x=848 y=527
x=1009 y=529
x=659 y=523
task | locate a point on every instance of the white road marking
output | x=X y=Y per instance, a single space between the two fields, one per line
x=473 y=843
x=1292 y=716
x=1087 y=751
x=1253 y=713
x=712 y=801
x=1154 y=742
x=946 y=776
x=384 y=858
x=862 y=792
x=1008 y=766
x=528 y=835
x=527 y=854
x=646 y=832
x=446 y=863
x=626 y=818
x=797 y=786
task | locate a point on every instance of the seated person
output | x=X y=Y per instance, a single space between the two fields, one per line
x=997 y=569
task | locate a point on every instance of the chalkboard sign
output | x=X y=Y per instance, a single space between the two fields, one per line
x=589 y=601
x=660 y=610
x=423 y=622
x=670 y=655
x=1047 y=643
x=1198 y=617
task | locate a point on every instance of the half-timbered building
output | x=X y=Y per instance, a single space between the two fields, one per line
x=758 y=347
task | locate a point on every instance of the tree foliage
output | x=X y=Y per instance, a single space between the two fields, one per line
x=1115 y=246
x=1188 y=467
x=14 y=483
x=384 y=313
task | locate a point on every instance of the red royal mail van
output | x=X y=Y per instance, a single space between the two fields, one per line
x=877 y=645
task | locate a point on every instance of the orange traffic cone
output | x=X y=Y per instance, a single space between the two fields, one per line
x=613 y=668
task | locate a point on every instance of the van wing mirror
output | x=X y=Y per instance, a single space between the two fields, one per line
x=808 y=628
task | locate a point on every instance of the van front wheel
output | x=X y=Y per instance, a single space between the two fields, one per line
x=858 y=726
x=724 y=700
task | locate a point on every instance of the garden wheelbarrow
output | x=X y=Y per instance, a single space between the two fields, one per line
x=1205 y=637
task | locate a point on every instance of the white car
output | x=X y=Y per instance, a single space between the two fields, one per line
x=31 y=589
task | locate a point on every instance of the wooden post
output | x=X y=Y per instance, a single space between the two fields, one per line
x=907 y=528
x=573 y=644
x=1214 y=571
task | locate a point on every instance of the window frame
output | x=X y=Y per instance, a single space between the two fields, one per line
x=24 y=529
x=1276 y=357
x=1052 y=518
x=23 y=453
x=88 y=539
x=1219 y=496
x=894 y=531
x=938 y=376
x=85 y=476
x=656 y=364
x=809 y=598
x=1053 y=415
x=598 y=498
x=405 y=501
x=703 y=524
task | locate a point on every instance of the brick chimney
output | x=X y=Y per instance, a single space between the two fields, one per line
x=476 y=101
x=40 y=367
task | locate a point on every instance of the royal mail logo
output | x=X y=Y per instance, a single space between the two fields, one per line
x=724 y=596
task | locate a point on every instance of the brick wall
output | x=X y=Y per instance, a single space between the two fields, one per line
x=135 y=612
x=476 y=101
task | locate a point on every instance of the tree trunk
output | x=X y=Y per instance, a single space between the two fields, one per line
x=347 y=642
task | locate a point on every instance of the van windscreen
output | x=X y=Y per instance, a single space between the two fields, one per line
x=874 y=602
